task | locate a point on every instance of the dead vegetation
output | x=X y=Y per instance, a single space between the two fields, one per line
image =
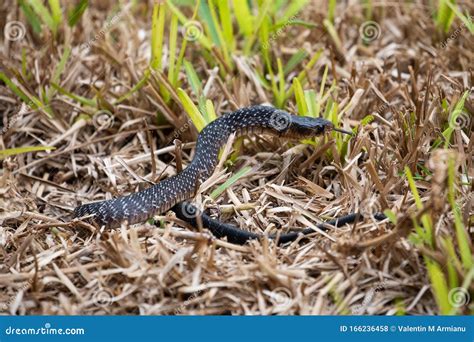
x=405 y=79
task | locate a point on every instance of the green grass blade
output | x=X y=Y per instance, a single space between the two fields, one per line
x=56 y=13
x=219 y=33
x=368 y=9
x=77 y=12
x=157 y=34
x=264 y=35
x=179 y=63
x=31 y=16
x=466 y=19
x=59 y=70
x=453 y=261
x=331 y=10
x=294 y=61
x=323 y=82
x=303 y=74
x=193 y=112
x=193 y=78
x=210 y=111
x=228 y=183
x=453 y=117
x=257 y=22
x=311 y=101
x=299 y=97
x=367 y=120
x=135 y=88
x=438 y=286
x=333 y=34
x=24 y=63
x=332 y=110
x=296 y=22
x=226 y=20
x=24 y=149
x=32 y=102
x=282 y=83
x=206 y=16
x=82 y=100
x=43 y=13
x=244 y=17
x=461 y=234
x=172 y=46
x=13 y=87
x=183 y=19
x=294 y=7
x=391 y=216
x=445 y=15
x=419 y=205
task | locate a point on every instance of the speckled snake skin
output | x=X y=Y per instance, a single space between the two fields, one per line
x=159 y=198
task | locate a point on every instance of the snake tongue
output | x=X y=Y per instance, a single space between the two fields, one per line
x=342 y=131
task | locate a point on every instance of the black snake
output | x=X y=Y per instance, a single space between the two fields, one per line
x=171 y=192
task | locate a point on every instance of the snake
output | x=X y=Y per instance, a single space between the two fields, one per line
x=174 y=192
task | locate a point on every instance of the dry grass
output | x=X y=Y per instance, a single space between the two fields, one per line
x=49 y=265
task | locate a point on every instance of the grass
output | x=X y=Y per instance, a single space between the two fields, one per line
x=166 y=71
x=25 y=149
x=445 y=14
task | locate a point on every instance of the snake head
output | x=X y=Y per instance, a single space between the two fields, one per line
x=299 y=127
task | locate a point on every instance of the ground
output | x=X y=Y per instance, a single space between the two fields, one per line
x=93 y=98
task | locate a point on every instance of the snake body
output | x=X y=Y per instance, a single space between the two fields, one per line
x=188 y=212
x=171 y=192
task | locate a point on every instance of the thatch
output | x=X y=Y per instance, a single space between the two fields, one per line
x=49 y=265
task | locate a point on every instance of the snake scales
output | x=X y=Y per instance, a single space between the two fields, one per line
x=171 y=192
